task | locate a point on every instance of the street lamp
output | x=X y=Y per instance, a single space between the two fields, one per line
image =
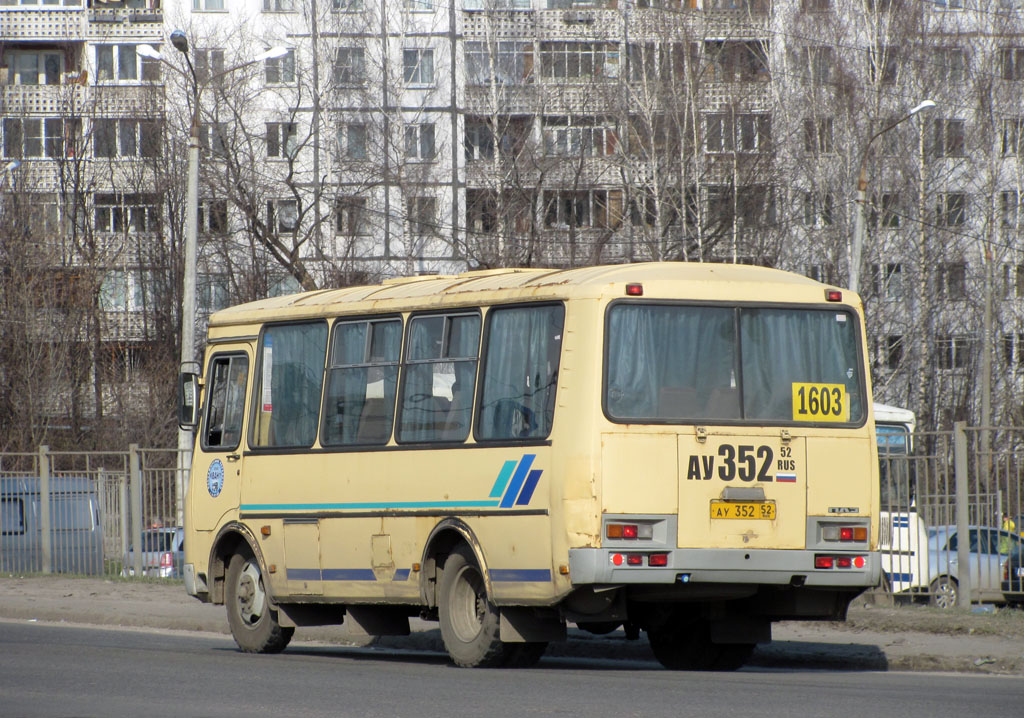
x=188 y=295
x=862 y=187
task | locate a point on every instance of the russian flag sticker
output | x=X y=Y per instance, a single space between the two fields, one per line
x=786 y=478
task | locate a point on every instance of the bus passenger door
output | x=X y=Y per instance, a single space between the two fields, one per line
x=217 y=466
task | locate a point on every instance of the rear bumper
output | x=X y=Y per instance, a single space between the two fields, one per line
x=736 y=566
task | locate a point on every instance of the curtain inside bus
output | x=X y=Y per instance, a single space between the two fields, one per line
x=288 y=392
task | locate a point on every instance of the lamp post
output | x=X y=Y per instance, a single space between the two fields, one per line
x=862 y=186
x=188 y=293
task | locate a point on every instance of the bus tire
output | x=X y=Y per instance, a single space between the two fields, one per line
x=470 y=623
x=944 y=592
x=253 y=621
x=686 y=645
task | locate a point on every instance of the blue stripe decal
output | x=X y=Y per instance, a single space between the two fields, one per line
x=304 y=574
x=517 y=480
x=401 y=574
x=502 y=481
x=371 y=505
x=347 y=574
x=531 y=483
x=528 y=575
x=901 y=577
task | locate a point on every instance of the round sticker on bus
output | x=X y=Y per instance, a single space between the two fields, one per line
x=215 y=478
x=820 y=402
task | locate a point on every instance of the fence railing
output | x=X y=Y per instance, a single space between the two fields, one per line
x=84 y=512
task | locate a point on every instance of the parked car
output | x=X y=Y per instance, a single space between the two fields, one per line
x=163 y=553
x=990 y=549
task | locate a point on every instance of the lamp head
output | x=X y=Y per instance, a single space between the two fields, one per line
x=179 y=41
x=272 y=53
x=925 y=105
x=148 y=51
x=12 y=165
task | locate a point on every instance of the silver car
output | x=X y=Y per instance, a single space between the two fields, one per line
x=989 y=549
x=163 y=553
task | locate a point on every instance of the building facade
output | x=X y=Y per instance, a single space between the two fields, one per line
x=409 y=136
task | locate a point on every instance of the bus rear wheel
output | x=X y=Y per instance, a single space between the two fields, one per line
x=253 y=621
x=470 y=623
x=686 y=645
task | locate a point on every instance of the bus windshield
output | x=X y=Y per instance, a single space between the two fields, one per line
x=677 y=363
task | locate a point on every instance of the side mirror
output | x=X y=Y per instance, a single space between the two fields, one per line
x=188 y=400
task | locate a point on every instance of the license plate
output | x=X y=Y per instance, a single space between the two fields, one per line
x=743 y=510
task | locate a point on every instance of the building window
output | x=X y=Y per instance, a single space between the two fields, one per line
x=727 y=132
x=887 y=280
x=818 y=136
x=818 y=208
x=578 y=136
x=948 y=138
x=1013 y=131
x=282 y=139
x=817 y=64
x=418 y=66
x=349 y=67
x=512 y=62
x=815 y=6
x=883 y=63
x=121 y=63
x=752 y=205
x=951 y=209
x=1009 y=208
x=478 y=140
x=418 y=5
x=126 y=213
x=278 y=6
x=37 y=67
x=208 y=62
x=422 y=216
x=481 y=211
x=352 y=141
x=280 y=70
x=885 y=211
x=950 y=64
x=208 y=5
x=951 y=280
x=582 y=208
x=419 y=142
x=346 y=5
x=213 y=294
x=126 y=138
x=1011 y=63
x=1013 y=349
x=350 y=216
x=730 y=61
x=893 y=351
x=953 y=351
x=43 y=137
x=213 y=216
x=578 y=60
x=213 y=137
x=283 y=215
x=1013 y=281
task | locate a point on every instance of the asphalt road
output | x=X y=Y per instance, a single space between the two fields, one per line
x=62 y=671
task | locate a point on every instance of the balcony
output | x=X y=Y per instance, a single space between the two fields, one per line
x=46 y=100
x=38 y=24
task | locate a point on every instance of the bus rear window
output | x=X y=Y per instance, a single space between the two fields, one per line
x=678 y=364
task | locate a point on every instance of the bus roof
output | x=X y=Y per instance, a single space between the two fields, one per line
x=660 y=279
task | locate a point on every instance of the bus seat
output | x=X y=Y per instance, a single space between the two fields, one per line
x=676 y=402
x=374 y=426
x=723 y=404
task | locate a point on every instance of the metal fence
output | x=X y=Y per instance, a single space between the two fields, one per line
x=84 y=512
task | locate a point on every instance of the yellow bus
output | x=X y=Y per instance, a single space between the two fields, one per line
x=681 y=449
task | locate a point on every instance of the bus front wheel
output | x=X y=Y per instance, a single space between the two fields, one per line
x=253 y=622
x=470 y=623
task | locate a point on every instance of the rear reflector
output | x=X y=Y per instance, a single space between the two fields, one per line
x=823 y=562
x=657 y=559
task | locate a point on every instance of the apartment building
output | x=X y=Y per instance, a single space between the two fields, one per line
x=410 y=136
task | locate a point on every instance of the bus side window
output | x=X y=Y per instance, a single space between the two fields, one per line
x=440 y=377
x=287 y=386
x=226 y=403
x=359 y=404
x=520 y=372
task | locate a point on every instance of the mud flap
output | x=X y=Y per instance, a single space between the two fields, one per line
x=521 y=624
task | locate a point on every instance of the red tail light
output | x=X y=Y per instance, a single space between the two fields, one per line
x=166 y=560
